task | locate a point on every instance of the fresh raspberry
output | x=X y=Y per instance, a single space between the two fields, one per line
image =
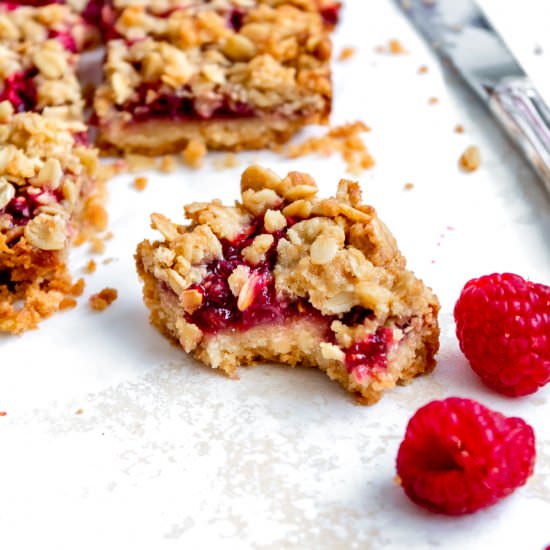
x=503 y=326
x=459 y=456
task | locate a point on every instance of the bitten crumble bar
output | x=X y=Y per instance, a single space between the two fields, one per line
x=50 y=191
x=288 y=277
x=193 y=73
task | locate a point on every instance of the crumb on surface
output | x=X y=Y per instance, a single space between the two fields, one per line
x=408 y=186
x=470 y=160
x=167 y=164
x=345 y=140
x=138 y=163
x=423 y=69
x=393 y=47
x=108 y=236
x=103 y=299
x=79 y=411
x=140 y=183
x=97 y=246
x=433 y=101
x=194 y=153
x=67 y=303
x=78 y=288
x=114 y=168
x=90 y=267
x=459 y=129
x=3 y=413
x=96 y=215
x=227 y=161
x=346 y=53
x=108 y=261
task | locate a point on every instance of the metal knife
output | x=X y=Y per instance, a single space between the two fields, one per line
x=461 y=34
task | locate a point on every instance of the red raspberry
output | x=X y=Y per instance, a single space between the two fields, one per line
x=503 y=326
x=459 y=456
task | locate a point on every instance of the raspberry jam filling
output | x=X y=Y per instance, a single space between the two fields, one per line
x=66 y=38
x=219 y=309
x=23 y=207
x=176 y=107
x=331 y=14
x=369 y=354
x=20 y=91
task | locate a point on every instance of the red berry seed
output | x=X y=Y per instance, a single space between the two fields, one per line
x=459 y=456
x=503 y=326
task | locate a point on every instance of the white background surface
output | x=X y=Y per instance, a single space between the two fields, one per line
x=168 y=454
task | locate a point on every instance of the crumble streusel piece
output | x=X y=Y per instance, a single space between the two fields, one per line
x=233 y=11
x=288 y=277
x=20 y=22
x=189 y=75
x=51 y=191
x=40 y=77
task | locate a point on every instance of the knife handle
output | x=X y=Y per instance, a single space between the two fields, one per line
x=526 y=118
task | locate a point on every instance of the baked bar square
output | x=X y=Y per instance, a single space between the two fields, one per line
x=50 y=192
x=40 y=77
x=288 y=277
x=201 y=74
x=20 y=22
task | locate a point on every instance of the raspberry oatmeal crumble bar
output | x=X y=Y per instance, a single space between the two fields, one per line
x=50 y=191
x=40 y=77
x=288 y=277
x=22 y=23
x=198 y=72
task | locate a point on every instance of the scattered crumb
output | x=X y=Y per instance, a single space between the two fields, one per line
x=470 y=159
x=397 y=480
x=108 y=261
x=138 y=163
x=79 y=411
x=140 y=183
x=97 y=246
x=3 y=413
x=346 y=53
x=168 y=164
x=423 y=69
x=90 y=267
x=459 y=129
x=67 y=303
x=194 y=153
x=408 y=186
x=394 y=47
x=433 y=101
x=538 y=50
x=343 y=139
x=78 y=288
x=111 y=170
x=108 y=236
x=227 y=161
x=103 y=299
x=96 y=215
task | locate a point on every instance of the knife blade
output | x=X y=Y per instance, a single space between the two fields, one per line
x=461 y=34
